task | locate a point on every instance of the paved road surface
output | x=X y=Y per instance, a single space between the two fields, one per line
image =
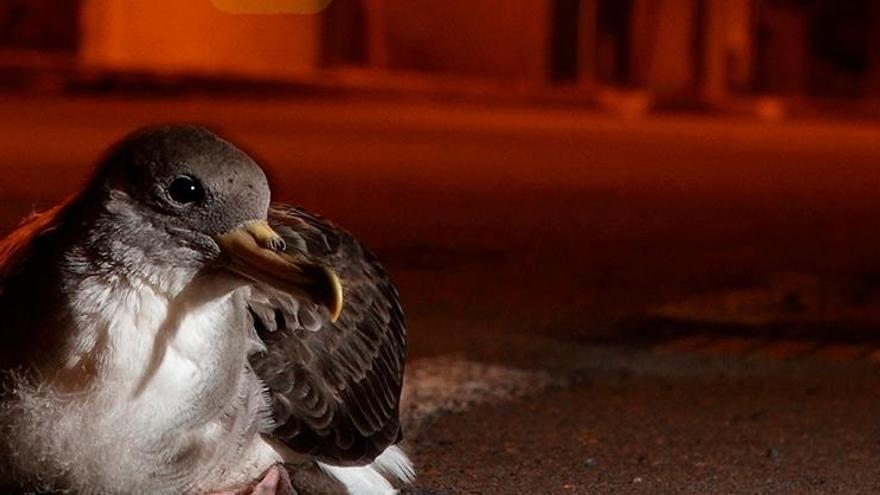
x=636 y=423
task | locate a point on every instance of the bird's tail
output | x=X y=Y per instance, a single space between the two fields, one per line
x=375 y=478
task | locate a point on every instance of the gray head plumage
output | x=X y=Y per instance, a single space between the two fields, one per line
x=186 y=178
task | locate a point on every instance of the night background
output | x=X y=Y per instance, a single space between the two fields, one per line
x=637 y=240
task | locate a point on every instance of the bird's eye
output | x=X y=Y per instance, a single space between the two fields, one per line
x=186 y=190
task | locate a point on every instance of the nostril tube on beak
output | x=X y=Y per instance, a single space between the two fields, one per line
x=278 y=244
x=265 y=236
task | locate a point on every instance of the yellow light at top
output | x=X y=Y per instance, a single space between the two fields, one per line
x=302 y=7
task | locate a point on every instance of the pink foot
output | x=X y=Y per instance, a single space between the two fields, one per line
x=275 y=481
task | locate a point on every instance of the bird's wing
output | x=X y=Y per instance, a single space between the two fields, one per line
x=24 y=280
x=14 y=248
x=335 y=386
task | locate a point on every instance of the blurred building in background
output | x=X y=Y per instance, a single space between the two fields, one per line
x=688 y=50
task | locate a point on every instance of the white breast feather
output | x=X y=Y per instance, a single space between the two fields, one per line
x=192 y=423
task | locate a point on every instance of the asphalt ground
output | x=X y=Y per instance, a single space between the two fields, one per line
x=635 y=423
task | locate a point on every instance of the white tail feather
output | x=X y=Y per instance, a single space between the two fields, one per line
x=394 y=463
x=373 y=478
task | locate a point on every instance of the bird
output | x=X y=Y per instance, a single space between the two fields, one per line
x=168 y=329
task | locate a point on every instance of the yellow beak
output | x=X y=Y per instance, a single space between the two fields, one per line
x=257 y=252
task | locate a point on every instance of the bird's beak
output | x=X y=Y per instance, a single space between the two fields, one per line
x=258 y=253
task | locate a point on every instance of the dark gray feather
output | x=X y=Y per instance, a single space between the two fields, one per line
x=335 y=387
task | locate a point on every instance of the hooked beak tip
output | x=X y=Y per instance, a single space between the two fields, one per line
x=257 y=252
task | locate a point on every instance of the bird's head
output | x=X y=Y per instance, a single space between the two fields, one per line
x=189 y=198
